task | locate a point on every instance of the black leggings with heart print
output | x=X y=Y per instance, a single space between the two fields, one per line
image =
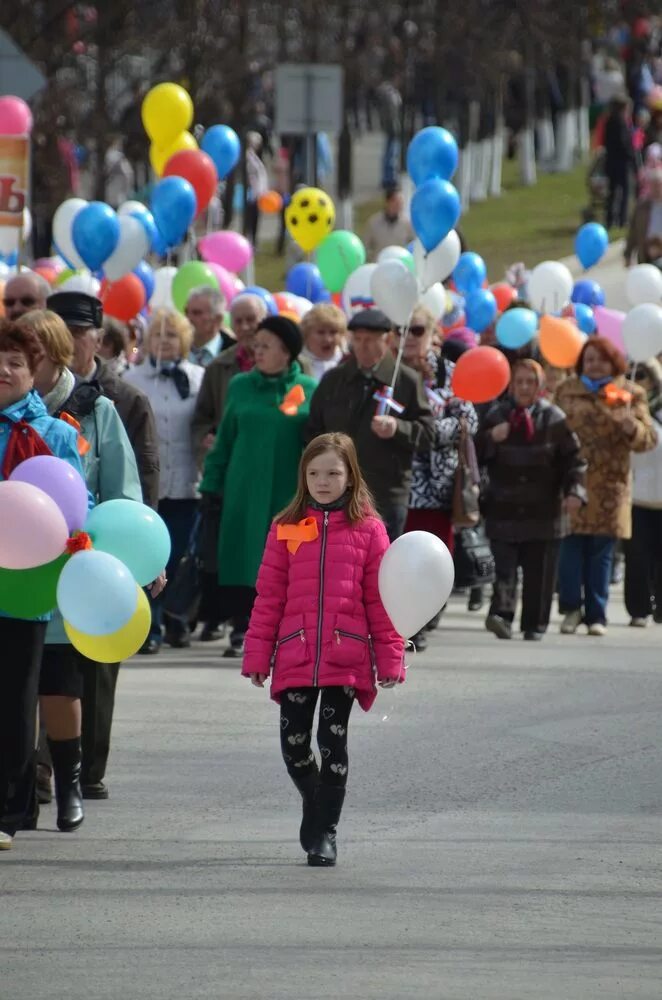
x=297 y=715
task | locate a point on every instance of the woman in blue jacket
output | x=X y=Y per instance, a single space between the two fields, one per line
x=22 y=640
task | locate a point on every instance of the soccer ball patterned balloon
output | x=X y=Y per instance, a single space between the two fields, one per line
x=309 y=217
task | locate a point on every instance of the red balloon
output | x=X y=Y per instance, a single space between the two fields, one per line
x=481 y=374
x=199 y=170
x=504 y=294
x=123 y=299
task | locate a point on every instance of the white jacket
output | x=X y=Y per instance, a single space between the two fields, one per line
x=178 y=474
x=647 y=472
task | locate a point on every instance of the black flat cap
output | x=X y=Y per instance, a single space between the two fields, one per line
x=77 y=308
x=372 y=320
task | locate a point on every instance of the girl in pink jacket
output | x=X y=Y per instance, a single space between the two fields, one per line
x=319 y=628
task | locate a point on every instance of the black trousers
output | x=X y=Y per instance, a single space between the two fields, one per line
x=539 y=561
x=643 y=563
x=618 y=192
x=297 y=715
x=22 y=644
x=99 y=683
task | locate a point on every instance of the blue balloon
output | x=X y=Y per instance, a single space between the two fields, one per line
x=96 y=593
x=588 y=293
x=95 y=232
x=173 y=207
x=435 y=209
x=262 y=293
x=585 y=318
x=432 y=153
x=238 y=198
x=321 y=295
x=305 y=280
x=591 y=243
x=480 y=309
x=222 y=143
x=470 y=272
x=516 y=327
x=159 y=245
x=146 y=275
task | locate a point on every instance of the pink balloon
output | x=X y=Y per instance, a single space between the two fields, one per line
x=32 y=528
x=15 y=116
x=610 y=325
x=227 y=248
x=226 y=280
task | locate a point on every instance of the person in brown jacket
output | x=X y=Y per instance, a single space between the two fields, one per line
x=535 y=475
x=611 y=419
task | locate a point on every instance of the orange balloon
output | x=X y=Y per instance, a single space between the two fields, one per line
x=284 y=301
x=560 y=341
x=290 y=314
x=504 y=294
x=49 y=273
x=270 y=202
x=481 y=374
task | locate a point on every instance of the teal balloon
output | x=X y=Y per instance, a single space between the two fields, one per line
x=96 y=593
x=516 y=327
x=134 y=534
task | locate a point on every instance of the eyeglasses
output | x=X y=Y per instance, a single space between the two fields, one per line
x=416 y=331
x=26 y=301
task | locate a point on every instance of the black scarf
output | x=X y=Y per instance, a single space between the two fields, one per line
x=171 y=369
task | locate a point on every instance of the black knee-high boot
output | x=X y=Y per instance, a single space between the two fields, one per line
x=330 y=800
x=307 y=785
x=66 y=756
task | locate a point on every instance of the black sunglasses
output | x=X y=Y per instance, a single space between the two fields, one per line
x=25 y=300
x=416 y=331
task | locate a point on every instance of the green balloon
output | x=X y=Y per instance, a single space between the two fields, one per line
x=31 y=593
x=191 y=275
x=338 y=256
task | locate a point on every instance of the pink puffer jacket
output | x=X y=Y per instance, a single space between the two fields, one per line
x=318 y=619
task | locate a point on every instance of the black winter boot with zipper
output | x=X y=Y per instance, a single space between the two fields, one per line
x=330 y=800
x=66 y=756
x=307 y=785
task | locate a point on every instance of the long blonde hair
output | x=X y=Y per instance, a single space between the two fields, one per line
x=360 y=503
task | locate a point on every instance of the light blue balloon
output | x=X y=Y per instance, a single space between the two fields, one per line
x=435 y=209
x=222 y=143
x=516 y=327
x=173 y=206
x=95 y=232
x=96 y=593
x=432 y=153
x=262 y=293
x=133 y=533
x=591 y=243
x=470 y=272
x=585 y=318
x=480 y=309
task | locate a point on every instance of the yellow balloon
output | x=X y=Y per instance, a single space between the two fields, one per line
x=167 y=110
x=309 y=217
x=159 y=155
x=116 y=646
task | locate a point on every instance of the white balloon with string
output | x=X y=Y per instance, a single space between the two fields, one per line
x=83 y=282
x=435 y=299
x=642 y=332
x=162 y=294
x=357 y=295
x=439 y=263
x=550 y=286
x=416 y=577
x=132 y=246
x=395 y=291
x=643 y=284
x=62 y=224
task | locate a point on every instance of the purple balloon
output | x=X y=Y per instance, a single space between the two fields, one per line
x=61 y=482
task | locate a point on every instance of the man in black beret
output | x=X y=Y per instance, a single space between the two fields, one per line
x=352 y=398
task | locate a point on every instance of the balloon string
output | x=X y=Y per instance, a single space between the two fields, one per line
x=398 y=361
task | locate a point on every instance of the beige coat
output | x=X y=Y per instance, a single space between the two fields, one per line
x=606 y=447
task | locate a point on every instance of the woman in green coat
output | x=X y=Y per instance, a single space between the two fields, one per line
x=252 y=466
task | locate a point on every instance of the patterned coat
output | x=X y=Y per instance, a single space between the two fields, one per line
x=606 y=447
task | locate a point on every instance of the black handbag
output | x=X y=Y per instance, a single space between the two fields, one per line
x=182 y=595
x=474 y=562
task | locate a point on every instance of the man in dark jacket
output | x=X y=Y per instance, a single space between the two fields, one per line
x=535 y=476
x=386 y=437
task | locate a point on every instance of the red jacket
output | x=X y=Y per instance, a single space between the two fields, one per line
x=318 y=620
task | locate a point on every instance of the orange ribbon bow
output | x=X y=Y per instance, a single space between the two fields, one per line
x=295 y=534
x=293 y=400
x=83 y=443
x=80 y=541
x=613 y=395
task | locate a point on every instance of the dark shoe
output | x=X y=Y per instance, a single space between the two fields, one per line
x=657 y=616
x=178 y=640
x=44 y=786
x=233 y=652
x=434 y=622
x=475 y=599
x=499 y=626
x=307 y=785
x=533 y=636
x=324 y=852
x=96 y=790
x=420 y=642
x=66 y=756
x=211 y=634
x=149 y=647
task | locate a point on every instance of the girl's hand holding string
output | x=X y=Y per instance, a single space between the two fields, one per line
x=258 y=680
x=388 y=682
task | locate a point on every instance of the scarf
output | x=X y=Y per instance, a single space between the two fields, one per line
x=245 y=361
x=59 y=394
x=521 y=417
x=338 y=504
x=23 y=443
x=595 y=384
x=171 y=369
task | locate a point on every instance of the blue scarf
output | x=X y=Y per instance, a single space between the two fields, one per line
x=171 y=369
x=595 y=384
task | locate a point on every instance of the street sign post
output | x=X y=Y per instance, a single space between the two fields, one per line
x=309 y=99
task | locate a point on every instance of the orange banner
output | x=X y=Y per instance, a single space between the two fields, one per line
x=14 y=170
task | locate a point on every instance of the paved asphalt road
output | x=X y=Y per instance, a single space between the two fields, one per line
x=501 y=838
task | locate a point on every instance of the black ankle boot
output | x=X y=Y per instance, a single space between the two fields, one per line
x=307 y=784
x=66 y=756
x=330 y=800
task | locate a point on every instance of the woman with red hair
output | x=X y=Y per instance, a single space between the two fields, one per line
x=611 y=419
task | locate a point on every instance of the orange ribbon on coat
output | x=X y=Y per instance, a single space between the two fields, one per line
x=295 y=534
x=293 y=400
x=83 y=443
x=612 y=395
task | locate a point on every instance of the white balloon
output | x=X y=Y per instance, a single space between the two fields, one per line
x=550 y=286
x=62 y=222
x=162 y=294
x=642 y=332
x=357 y=295
x=395 y=291
x=80 y=283
x=302 y=305
x=395 y=253
x=439 y=263
x=435 y=299
x=415 y=580
x=643 y=284
x=131 y=247
x=131 y=206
